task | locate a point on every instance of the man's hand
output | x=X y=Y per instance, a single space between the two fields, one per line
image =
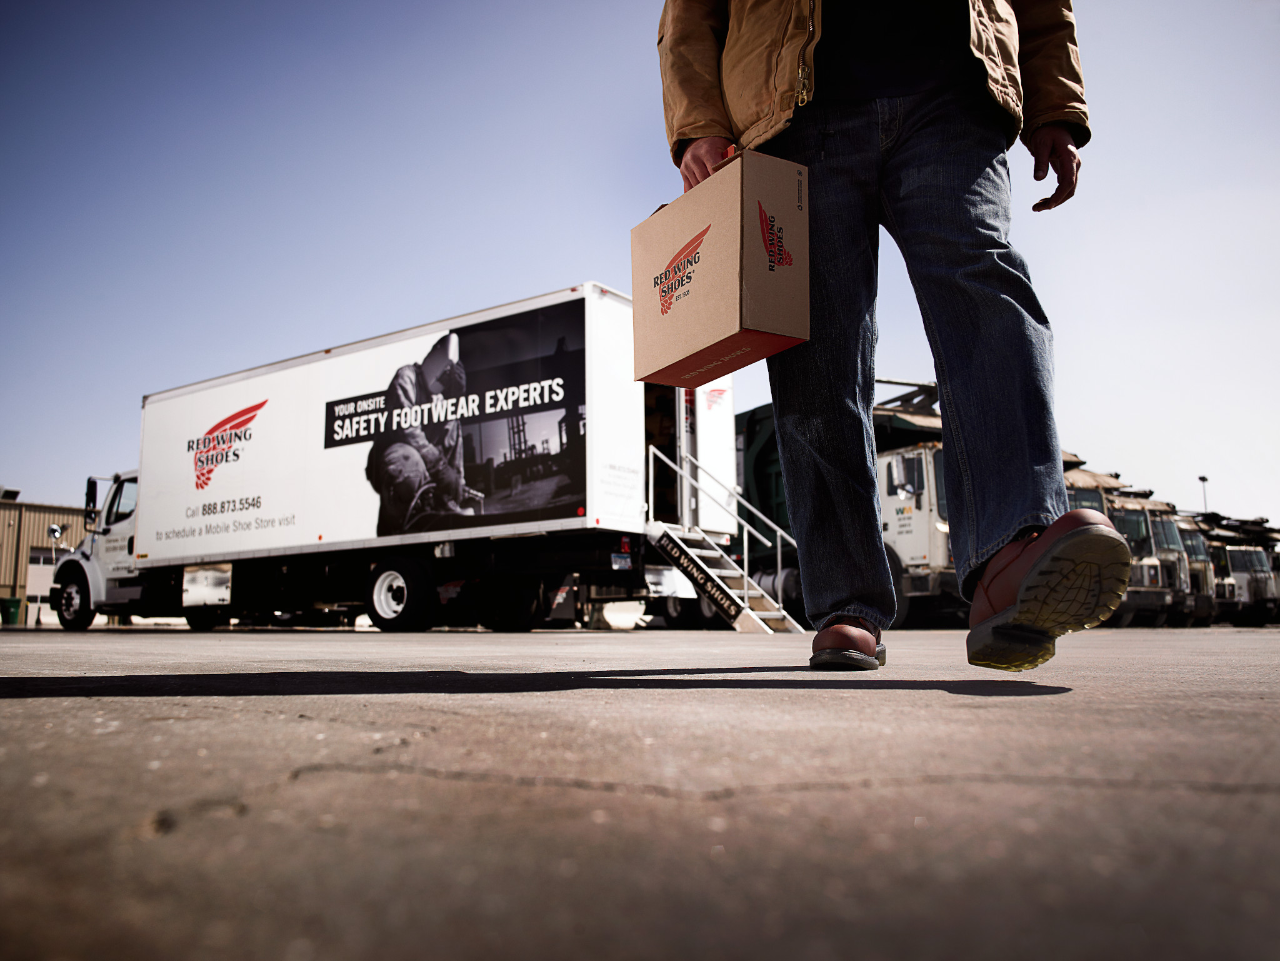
x=1053 y=146
x=699 y=157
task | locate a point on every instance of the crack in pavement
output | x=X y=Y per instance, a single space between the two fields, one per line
x=795 y=787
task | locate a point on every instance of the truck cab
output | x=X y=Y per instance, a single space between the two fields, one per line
x=1255 y=584
x=1225 y=592
x=1200 y=573
x=917 y=533
x=1174 y=563
x=1150 y=594
x=100 y=574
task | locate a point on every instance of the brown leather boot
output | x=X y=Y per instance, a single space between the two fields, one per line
x=849 y=644
x=1069 y=577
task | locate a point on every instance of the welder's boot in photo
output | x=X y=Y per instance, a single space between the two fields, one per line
x=1068 y=577
x=848 y=644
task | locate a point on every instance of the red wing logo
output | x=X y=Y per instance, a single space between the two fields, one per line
x=678 y=272
x=771 y=234
x=221 y=443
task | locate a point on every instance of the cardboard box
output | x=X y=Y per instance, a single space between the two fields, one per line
x=720 y=277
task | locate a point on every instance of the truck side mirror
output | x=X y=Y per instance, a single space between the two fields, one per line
x=90 y=502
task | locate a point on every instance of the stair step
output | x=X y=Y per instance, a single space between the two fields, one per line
x=770 y=615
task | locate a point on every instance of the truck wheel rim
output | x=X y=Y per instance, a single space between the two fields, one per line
x=70 y=601
x=389 y=594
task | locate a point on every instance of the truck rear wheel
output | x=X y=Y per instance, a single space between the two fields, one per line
x=399 y=596
x=513 y=606
x=205 y=619
x=677 y=613
x=75 y=612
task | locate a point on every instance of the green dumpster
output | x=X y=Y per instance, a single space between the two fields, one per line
x=10 y=610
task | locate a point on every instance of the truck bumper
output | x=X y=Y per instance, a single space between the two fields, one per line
x=1144 y=600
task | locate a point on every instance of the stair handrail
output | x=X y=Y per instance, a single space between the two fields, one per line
x=779 y=533
x=748 y=583
x=742 y=500
x=692 y=480
x=746 y=542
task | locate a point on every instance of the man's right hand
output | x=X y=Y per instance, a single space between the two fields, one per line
x=699 y=157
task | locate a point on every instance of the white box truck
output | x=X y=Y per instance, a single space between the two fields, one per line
x=490 y=468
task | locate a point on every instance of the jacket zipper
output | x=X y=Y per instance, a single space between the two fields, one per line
x=804 y=85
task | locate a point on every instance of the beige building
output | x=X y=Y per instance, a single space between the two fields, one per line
x=27 y=552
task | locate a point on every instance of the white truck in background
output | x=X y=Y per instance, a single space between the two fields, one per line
x=917 y=534
x=489 y=468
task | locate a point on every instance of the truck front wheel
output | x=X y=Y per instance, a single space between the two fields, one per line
x=399 y=596
x=75 y=612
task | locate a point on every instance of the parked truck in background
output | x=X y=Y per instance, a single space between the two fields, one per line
x=1207 y=592
x=486 y=469
x=1246 y=550
x=913 y=503
x=913 y=506
x=1255 y=583
x=1155 y=575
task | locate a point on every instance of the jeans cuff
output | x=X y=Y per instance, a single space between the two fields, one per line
x=869 y=614
x=1038 y=519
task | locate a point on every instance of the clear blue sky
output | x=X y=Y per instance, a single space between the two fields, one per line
x=194 y=188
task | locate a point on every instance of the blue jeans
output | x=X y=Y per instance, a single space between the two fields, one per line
x=932 y=169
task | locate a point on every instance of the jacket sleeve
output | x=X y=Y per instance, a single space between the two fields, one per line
x=690 y=41
x=1049 y=61
x=404 y=393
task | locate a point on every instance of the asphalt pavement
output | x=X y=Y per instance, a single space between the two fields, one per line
x=638 y=795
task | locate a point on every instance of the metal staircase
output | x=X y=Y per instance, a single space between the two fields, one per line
x=715 y=575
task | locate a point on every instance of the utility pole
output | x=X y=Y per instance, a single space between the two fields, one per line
x=1204 y=491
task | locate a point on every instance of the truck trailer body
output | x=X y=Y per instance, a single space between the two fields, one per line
x=487 y=468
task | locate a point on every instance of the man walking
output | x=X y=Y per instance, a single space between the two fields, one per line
x=904 y=117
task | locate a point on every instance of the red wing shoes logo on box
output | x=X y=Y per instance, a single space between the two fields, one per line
x=222 y=443
x=679 y=272
x=771 y=234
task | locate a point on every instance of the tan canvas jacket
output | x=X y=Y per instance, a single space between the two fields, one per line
x=739 y=68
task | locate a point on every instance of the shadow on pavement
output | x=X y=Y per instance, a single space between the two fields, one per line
x=311 y=683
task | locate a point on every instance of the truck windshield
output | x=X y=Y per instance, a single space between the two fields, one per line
x=941 y=487
x=1220 y=566
x=1090 y=499
x=1166 y=532
x=1193 y=544
x=1133 y=525
x=1249 y=560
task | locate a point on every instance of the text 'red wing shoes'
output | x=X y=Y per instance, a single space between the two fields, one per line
x=1069 y=577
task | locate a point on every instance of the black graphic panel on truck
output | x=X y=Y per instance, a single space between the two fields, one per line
x=489 y=427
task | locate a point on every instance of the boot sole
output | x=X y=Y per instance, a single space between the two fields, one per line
x=840 y=659
x=1076 y=585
